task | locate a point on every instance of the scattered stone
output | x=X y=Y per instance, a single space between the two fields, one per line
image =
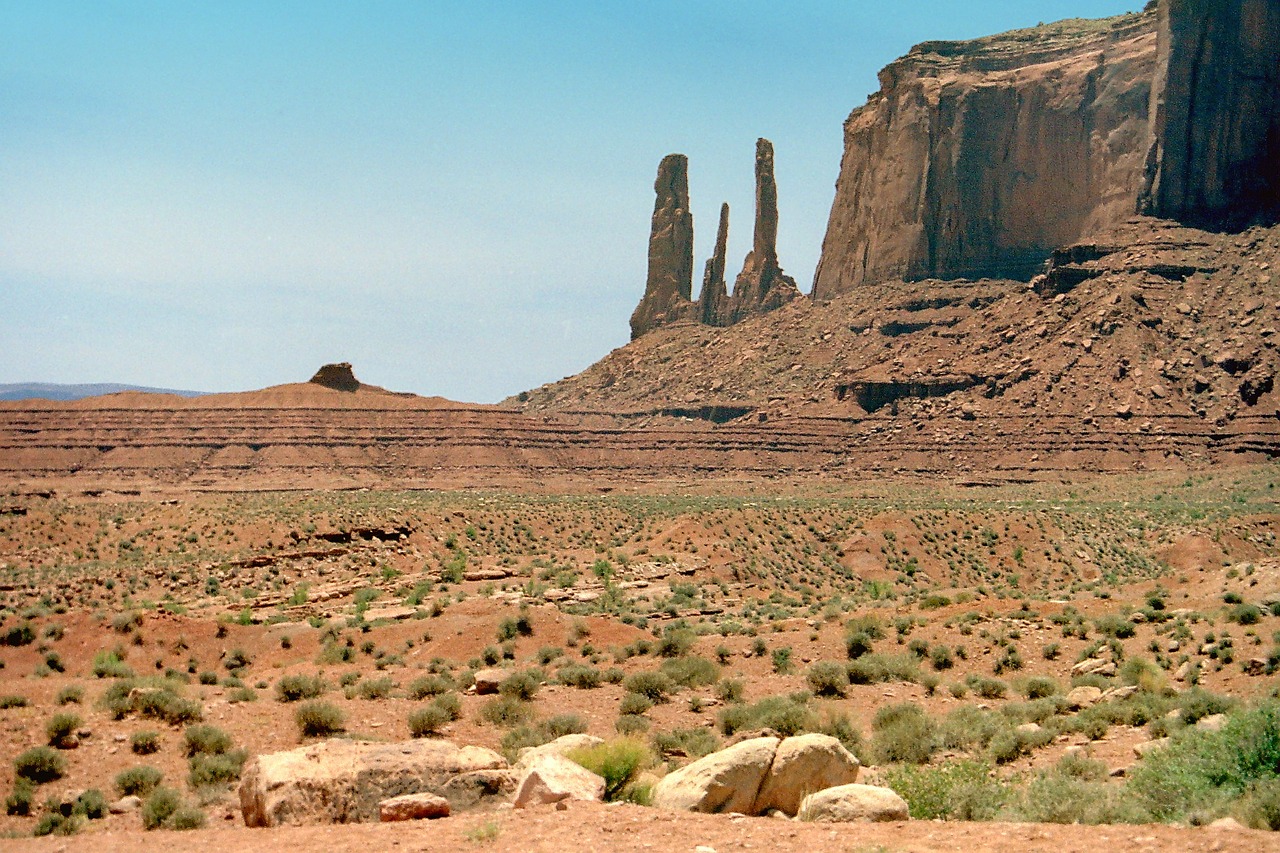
x=1147 y=747
x=1083 y=697
x=487 y=680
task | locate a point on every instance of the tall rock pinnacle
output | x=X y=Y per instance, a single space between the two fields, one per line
x=669 y=286
x=762 y=285
x=713 y=301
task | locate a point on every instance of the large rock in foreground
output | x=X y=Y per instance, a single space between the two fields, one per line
x=758 y=776
x=342 y=781
x=552 y=778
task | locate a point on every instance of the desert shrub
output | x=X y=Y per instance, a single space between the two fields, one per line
x=940 y=657
x=56 y=823
x=630 y=724
x=236 y=659
x=61 y=730
x=144 y=742
x=1055 y=797
x=1260 y=807
x=22 y=797
x=691 y=671
x=375 y=688
x=521 y=686
x=154 y=698
x=207 y=677
x=579 y=675
x=1039 y=686
x=294 y=688
x=961 y=790
x=782 y=714
x=13 y=700
x=839 y=726
x=138 y=781
x=1114 y=626
x=429 y=685
x=427 y=721
x=205 y=740
x=159 y=807
x=21 y=634
x=857 y=644
x=506 y=712
x=635 y=703
x=186 y=817
x=730 y=690
x=692 y=743
x=110 y=665
x=969 y=726
x=827 y=678
x=654 y=686
x=619 y=761
x=782 y=661
x=903 y=732
x=675 y=643
x=1198 y=703
x=209 y=771
x=1203 y=771
x=41 y=764
x=544 y=731
x=1245 y=614
x=318 y=719
x=71 y=694
x=874 y=668
x=987 y=688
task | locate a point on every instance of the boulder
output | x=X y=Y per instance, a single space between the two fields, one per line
x=850 y=803
x=1083 y=697
x=724 y=781
x=125 y=805
x=800 y=766
x=1142 y=750
x=487 y=680
x=342 y=781
x=562 y=746
x=479 y=789
x=412 y=807
x=553 y=778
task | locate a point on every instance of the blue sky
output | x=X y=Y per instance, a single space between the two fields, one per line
x=455 y=197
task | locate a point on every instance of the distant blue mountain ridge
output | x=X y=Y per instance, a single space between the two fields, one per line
x=55 y=391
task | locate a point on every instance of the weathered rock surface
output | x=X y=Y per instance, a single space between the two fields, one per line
x=487 y=680
x=669 y=285
x=713 y=299
x=1215 y=150
x=340 y=781
x=978 y=158
x=479 y=789
x=552 y=778
x=762 y=285
x=561 y=746
x=802 y=765
x=850 y=803
x=758 y=776
x=1083 y=697
x=339 y=377
x=724 y=781
x=413 y=807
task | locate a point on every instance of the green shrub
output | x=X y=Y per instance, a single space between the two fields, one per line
x=579 y=675
x=521 y=686
x=1260 y=807
x=692 y=743
x=318 y=719
x=903 y=732
x=782 y=714
x=22 y=797
x=506 y=712
x=654 y=686
x=138 y=781
x=634 y=703
x=110 y=665
x=874 y=668
x=21 y=634
x=375 y=688
x=428 y=720
x=13 y=700
x=1054 y=797
x=145 y=742
x=857 y=644
x=940 y=657
x=214 y=770
x=827 y=678
x=186 y=817
x=968 y=727
x=39 y=765
x=691 y=671
x=675 y=643
x=619 y=761
x=61 y=730
x=72 y=693
x=159 y=807
x=987 y=688
x=1039 y=686
x=961 y=790
x=730 y=690
x=56 y=823
x=429 y=685
x=205 y=740
x=294 y=688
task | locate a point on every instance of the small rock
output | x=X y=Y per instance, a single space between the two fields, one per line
x=848 y=803
x=412 y=807
x=487 y=680
x=125 y=804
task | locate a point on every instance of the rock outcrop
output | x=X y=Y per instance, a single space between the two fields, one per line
x=669 y=285
x=339 y=377
x=341 y=781
x=762 y=285
x=758 y=776
x=1215 y=114
x=853 y=803
x=552 y=778
x=978 y=158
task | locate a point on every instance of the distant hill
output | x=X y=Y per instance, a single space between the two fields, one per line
x=55 y=391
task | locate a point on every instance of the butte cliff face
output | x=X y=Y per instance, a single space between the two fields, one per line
x=979 y=158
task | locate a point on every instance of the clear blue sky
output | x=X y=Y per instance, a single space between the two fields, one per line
x=453 y=196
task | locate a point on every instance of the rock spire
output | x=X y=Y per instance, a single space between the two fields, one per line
x=713 y=301
x=669 y=284
x=762 y=285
